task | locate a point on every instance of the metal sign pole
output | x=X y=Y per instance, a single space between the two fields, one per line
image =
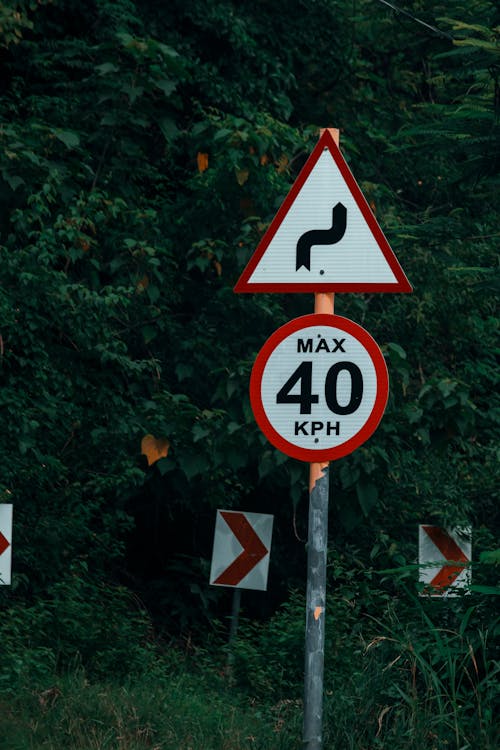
x=316 y=586
x=317 y=547
x=315 y=611
x=235 y=619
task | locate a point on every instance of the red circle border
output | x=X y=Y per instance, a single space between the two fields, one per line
x=371 y=424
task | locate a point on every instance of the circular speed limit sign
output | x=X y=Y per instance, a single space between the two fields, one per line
x=319 y=387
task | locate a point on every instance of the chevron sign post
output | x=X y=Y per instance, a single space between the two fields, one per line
x=5 y=543
x=443 y=556
x=242 y=543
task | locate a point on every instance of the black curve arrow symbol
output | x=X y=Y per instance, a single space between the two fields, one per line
x=321 y=236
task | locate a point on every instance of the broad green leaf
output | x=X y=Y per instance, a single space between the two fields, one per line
x=367 y=496
x=106 y=68
x=488 y=590
x=168 y=87
x=490 y=557
x=68 y=137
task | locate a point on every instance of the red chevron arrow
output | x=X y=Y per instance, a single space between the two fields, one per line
x=4 y=544
x=253 y=550
x=450 y=551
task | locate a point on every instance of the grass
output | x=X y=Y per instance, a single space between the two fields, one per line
x=176 y=714
x=419 y=682
x=411 y=689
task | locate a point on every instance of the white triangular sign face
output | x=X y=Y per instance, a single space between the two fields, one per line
x=324 y=237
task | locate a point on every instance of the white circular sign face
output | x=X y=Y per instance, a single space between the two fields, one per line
x=319 y=387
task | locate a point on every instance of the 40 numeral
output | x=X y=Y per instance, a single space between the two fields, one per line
x=306 y=398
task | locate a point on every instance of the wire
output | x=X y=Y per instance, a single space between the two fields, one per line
x=418 y=20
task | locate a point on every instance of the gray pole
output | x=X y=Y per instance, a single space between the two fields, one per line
x=315 y=612
x=235 y=617
x=317 y=544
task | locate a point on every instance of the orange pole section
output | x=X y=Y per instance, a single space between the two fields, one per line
x=323 y=303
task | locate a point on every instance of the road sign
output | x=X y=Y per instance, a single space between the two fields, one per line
x=324 y=237
x=242 y=543
x=443 y=555
x=319 y=387
x=5 y=543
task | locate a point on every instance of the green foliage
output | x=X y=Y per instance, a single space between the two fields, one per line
x=433 y=683
x=398 y=670
x=268 y=658
x=78 y=622
x=168 y=710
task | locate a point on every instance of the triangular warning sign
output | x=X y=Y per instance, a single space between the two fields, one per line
x=324 y=237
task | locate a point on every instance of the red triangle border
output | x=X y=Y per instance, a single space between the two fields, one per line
x=402 y=284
